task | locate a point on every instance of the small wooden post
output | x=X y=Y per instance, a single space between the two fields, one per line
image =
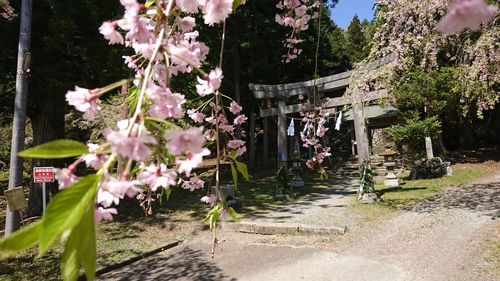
x=251 y=141
x=360 y=127
x=282 y=151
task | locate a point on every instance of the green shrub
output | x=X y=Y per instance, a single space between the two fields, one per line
x=414 y=132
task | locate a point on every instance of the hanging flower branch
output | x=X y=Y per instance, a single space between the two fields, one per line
x=295 y=14
x=147 y=154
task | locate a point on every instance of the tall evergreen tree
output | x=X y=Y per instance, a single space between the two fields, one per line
x=356 y=41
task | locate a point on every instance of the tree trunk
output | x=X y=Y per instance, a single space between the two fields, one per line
x=47 y=120
x=13 y=218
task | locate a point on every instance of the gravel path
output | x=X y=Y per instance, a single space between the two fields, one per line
x=326 y=208
x=438 y=239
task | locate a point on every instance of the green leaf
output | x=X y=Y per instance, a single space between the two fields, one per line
x=235 y=176
x=70 y=262
x=149 y=3
x=242 y=168
x=165 y=192
x=80 y=249
x=66 y=210
x=56 y=149
x=233 y=154
x=87 y=243
x=20 y=240
x=213 y=215
x=237 y=3
x=233 y=214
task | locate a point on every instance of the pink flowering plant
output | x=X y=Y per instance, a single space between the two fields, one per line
x=312 y=136
x=148 y=154
x=295 y=14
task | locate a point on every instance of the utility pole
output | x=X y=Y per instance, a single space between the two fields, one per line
x=13 y=219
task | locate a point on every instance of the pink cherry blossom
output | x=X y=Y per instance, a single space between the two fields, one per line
x=85 y=101
x=209 y=199
x=106 y=198
x=65 y=177
x=301 y=10
x=235 y=144
x=240 y=119
x=291 y=4
x=238 y=146
x=240 y=151
x=466 y=14
x=157 y=176
x=193 y=183
x=186 y=23
x=104 y=214
x=95 y=158
x=180 y=141
x=191 y=161
x=227 y=128
x=211 y=84
x=129 y=4
x=185 y=51
x=190 y=6
x=133 y=145
x=139 y=29
x=234 y=107
x=108 y=29
x=165 y=103
x=289 y=21
x=197 y=117
x=121 y=187
x=216 y=11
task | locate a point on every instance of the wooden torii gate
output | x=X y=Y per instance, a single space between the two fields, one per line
x=320 y=85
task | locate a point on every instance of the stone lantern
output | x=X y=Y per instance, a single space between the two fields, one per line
x=391 y=181
x=296 y=168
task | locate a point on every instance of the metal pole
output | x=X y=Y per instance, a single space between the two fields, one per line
x=13 y=219
x=44 y=197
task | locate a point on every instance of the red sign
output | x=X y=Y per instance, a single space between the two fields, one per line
x=43 y=174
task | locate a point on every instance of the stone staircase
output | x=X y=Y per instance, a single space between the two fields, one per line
x=350 y=168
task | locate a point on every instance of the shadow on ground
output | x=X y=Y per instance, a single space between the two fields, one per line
x=187 y=264
x=483 y=198
x=338 y=188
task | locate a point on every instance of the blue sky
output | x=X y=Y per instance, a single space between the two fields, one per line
x=345 y=10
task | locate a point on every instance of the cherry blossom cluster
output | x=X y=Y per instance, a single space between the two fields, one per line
x=295 y=14
x=419 y=32
x=7 y=13
x=311 y=136
x=135 y=156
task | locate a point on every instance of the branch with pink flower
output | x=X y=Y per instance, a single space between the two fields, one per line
x=149 y=153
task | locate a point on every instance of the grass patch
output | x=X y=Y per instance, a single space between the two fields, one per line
x=116 y=241
x=491 y=249
x=493 y=256
x=415 y=190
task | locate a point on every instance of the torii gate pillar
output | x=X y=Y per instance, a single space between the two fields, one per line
x=282 y=151
x=360 y=130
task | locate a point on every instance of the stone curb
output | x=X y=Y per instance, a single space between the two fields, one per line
x=108 y=268
x=268 y=229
